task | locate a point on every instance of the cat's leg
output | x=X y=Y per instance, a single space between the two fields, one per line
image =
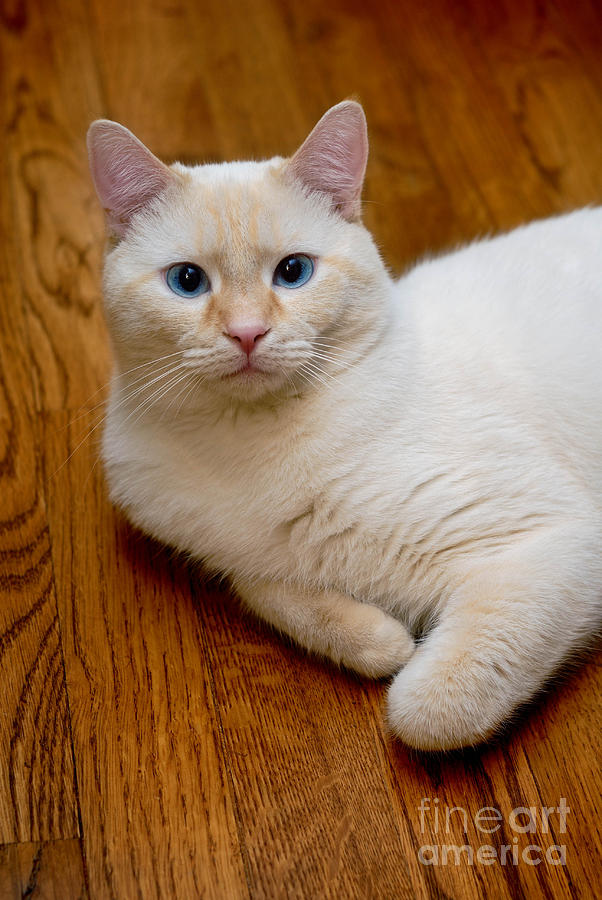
x=507 y=626
x=356 y=635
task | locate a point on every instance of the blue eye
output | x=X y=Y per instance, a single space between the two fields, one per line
x=187 y=280
x=293 y=271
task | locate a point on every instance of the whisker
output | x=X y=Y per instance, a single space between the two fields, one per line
x=152 y=362
x=329 y=357
x=184 y=393
x=313 y=372
x=174 y=399
x=198 y=380
x=306 y=377
x=321 y=345
x=91 y=472
x=82 y=410
x=151 y=401
x=318 y=369
x=330 y=342
x=142 y=378
x=172 y=370
x=74 y=451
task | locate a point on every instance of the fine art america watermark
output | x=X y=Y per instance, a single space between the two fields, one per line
x=532 y=821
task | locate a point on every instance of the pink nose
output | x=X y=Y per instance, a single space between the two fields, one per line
x=246 y=334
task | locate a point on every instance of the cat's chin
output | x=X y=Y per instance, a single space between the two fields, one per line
x=250 y=382
x=247 y=370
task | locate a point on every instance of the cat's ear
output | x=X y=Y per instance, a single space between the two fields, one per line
x=332 y=160
x=126 y=175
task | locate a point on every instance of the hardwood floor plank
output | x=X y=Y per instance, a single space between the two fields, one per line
x=499 y=779
x=562 y=752
x=56 y=219
x=37 y=795
x=37 y=789
x=555 y=106
x=307 y=775
x=43 y=871
x=156 y=810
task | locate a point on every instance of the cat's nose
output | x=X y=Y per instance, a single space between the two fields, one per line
x=246 y=334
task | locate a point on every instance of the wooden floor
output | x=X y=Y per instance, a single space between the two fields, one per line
x=155 y=742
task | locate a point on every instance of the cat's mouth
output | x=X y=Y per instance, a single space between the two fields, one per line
x=247 y=370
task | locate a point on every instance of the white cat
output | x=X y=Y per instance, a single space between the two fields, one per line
x=404 y=476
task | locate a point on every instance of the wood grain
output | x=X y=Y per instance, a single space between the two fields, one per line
x=37 y=791
x=154 y=741
x=50 y=871
x=156 y=810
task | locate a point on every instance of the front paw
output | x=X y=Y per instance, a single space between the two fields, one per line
x=381 y=645
x=435 y=704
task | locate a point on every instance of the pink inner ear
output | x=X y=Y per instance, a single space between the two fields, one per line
x=126 y=175
x=333 y=158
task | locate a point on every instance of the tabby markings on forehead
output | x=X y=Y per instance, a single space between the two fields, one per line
x=239 y=220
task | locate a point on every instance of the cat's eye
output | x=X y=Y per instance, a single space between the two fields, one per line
x=187 y=280
x=293 y=271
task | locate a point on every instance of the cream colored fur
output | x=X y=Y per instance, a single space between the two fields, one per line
x=412 y=486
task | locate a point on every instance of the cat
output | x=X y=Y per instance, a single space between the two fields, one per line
x=404 y=476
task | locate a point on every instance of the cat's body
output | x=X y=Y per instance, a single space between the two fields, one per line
x=433 y=463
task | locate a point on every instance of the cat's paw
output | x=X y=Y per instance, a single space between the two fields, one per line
x=382 y=645
x=432 y=705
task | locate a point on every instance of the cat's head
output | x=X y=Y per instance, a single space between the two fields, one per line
x=240 y=279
